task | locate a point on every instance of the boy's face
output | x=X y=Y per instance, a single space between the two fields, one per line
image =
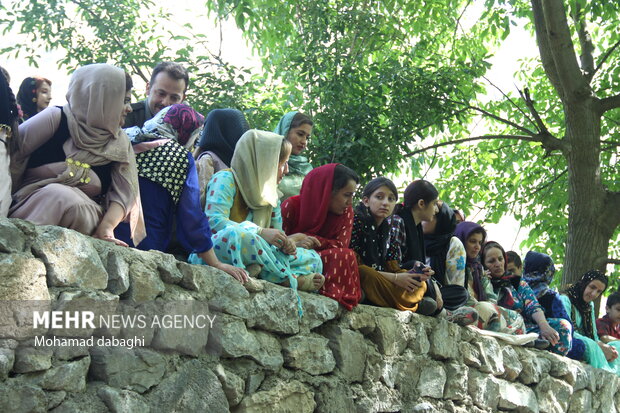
x=614 y=312
x=511 y=267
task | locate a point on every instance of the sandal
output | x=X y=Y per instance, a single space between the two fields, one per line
x=253 y=270
x=306 y=282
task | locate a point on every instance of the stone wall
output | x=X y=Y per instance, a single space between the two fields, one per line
x=263 y=358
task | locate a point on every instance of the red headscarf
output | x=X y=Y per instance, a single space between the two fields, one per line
x=313 y=202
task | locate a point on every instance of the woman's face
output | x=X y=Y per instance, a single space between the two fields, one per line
x=126 y=107
x=282 y=168
x=593 y=290
x=343 y=198
x=494 y=262
x=427 y=210
x=381 y=202
x=44 y=96
x=298 y=137
x=473 y=245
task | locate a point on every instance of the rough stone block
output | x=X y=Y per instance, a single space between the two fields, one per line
x=145 y=284
x=232 y=384
x=69 y=376
x=70 y=259
x=389 y=335
x=483 y=389
x=132 y=369
x=99 y=302
x=54 y=398
x=275 y=310
x=580 y=402
x=418 y=339
x=16 y=397
x=281 y=398
x=334 y=397
x=235 y=339
x=512 y=364
x=118 y=274
x=456 y=381
x=534 y=367
x=23 y=278
x=191 y=340
x=361 y=318
x=28 y=359
x=445 y=340
x=432 y=380
x=375 y=397
x=7 y=360
x=350 y=352
x=580 y=377
x=516 y=396
x=471 y=355
x=11 y=238
x=269 y=354
x=317 y=310
x=308 y=353
x=553 y=395
x=491 y=356
x=121 y=401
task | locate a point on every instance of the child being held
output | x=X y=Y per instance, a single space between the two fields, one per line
x=608 y=326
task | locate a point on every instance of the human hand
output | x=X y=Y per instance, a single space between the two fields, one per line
x=408 y=281
x=610 y=353
x=548 y=333
x=107 y=234
x=308 y=242
x=439 y=297
x=289 y=247
x=237 y=273
x=274 y=237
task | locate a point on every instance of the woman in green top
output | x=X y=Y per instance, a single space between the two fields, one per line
x=578 y=303
x=296 y=128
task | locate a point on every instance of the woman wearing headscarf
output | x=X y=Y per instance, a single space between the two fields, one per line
x=515 y=294
x=579 y=305
x=80 y=169
x=322 y=215
x=9 y=139
x=244 y=215
x=34 y=95
x=214 y=151
x=376 y=241
x=296 y=128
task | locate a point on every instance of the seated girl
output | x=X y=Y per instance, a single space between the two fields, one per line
x=579 y=305
x=80 y=167
x=244 y=215
x=321 y=218
x=514 y=293
x=377 y=245
x=169 y=187
x=296 y=127
x=538 y=272
x=34 y=95
x=214 y=151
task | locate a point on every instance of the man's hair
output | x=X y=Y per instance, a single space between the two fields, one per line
x=514 y=257
x=614 y=298
x=174 y=70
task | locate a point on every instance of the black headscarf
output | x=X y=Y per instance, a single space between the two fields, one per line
x=413 y=250
x=8 y=112
x=438 y=243
x=222 y=130
x=575 y=293
x=373 y=242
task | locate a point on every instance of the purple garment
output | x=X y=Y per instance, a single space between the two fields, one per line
x=462 y=231
x=184 y=119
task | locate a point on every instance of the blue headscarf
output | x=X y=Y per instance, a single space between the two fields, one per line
x=538 y=271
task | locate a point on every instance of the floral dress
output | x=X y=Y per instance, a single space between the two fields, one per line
x=239 y=244
x=523 y=301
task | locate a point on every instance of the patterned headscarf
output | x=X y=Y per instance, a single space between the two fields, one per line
x=575 y=293
x=462 y=231
x=178 y=122
x=538 y=272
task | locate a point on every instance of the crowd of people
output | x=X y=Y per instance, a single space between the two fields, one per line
x=248 y=202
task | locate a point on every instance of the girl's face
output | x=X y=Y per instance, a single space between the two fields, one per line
x=126 y=107
x=343 y=198
x=381 y=202
x=44 y=96
x=282 y=168
x=593 y=290
x=298 y=137
x=427 y=210
x=494 y=262
x=473 y=245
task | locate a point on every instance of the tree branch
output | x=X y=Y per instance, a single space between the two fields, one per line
x=613 y=261
x=491 y=115
x=475 y=138
x=609 y=103
x=544 y=47
x=585 y=41
x=562 y=50
x=551 y=182
x=604 y=59
x=525 y=95
x=513 y=103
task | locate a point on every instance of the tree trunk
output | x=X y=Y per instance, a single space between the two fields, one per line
x=588 y=232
